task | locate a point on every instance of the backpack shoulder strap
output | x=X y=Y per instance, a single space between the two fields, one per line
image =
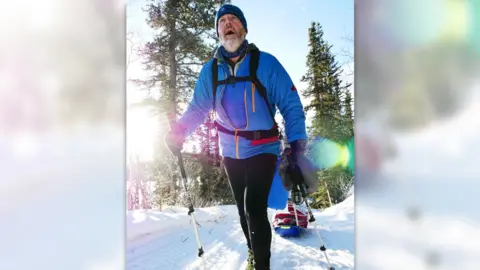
x=214 y=80
x=254 y=60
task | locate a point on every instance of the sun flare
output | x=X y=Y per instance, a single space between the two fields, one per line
x=142 y=132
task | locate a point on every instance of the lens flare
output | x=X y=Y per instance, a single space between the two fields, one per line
x=474 y=27
x=418 y=30
x=432 y=21
x=326 y=154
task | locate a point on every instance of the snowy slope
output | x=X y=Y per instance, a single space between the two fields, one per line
x=436 y=171
x=165 y=240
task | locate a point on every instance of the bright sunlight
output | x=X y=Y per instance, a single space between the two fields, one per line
x=142 y=132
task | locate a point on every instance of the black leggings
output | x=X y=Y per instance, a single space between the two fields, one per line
x=250 y=180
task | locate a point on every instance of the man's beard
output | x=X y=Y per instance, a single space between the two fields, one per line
x=232 y=44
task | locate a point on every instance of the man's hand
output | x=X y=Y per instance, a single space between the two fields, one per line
x=296 y=154
x=175 y=138
x=296 y=168
x=297 y=151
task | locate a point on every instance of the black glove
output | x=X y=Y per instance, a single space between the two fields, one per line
x=297 y=152
x=175 y=138
x=288 y=169
x=296 y=168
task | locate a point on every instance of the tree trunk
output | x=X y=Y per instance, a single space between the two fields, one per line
x=328 y=193
x=172 y=86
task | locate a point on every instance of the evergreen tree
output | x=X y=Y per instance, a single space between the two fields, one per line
x=184 y=37
x=331 y=105
x=183 y=29
x=325 y=90
x=348 y=116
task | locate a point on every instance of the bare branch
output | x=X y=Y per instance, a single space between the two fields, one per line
x=130 y=36
x=348 y=53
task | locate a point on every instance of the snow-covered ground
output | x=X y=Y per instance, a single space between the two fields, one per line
x=166 y=240
x=436 y=174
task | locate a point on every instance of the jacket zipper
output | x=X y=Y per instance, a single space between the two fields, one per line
x=253 y=97
x=236 y=137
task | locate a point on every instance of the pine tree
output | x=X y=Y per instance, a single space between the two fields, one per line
x=324 y=86
x=328 y=98
x=184 y=37
x=348 y=115
x=337 y=112
x=179 y=48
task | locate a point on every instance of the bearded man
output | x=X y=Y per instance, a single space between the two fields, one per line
x=245 y=86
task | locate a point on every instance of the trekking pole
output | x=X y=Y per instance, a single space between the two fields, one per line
x=312 y=219
x=296 y=200
x=191 y=210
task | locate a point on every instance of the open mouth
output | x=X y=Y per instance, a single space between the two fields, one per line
x=229 y=33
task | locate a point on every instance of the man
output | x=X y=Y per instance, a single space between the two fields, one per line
x=248 y=134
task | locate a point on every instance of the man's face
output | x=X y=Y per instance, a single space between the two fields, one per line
x=231 y=32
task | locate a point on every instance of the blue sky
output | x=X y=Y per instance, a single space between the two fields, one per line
x=279 y=27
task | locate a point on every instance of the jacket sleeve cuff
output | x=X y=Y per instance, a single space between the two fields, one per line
x=298 y=146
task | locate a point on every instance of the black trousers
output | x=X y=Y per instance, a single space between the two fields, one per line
x=250 y=180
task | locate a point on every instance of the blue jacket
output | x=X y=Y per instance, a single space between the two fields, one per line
x=240 y=106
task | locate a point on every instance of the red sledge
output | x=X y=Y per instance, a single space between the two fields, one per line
x=286 y=225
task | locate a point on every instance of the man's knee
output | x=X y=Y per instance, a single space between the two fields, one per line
x=255 y=208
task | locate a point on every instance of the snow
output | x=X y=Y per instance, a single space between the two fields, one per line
x=58 y=201
x=435 y=173
x=166 y=240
